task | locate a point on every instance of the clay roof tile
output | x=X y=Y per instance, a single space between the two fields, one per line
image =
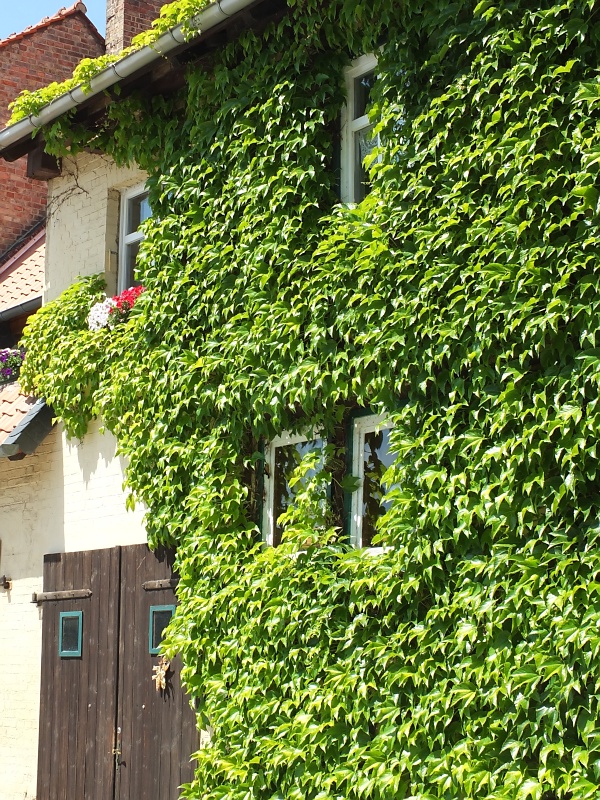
x=14 y=407
x=22 y=277
x=63 y=13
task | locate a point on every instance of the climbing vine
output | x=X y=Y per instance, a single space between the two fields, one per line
x=181 y=12
x=462 y=296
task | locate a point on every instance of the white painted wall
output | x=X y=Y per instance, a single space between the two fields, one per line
x=65 y=497
x=82 y=231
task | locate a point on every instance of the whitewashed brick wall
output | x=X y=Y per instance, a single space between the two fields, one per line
x=65 y=497
x=82 y=232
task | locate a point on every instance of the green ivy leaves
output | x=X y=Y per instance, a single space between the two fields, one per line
x=463 y=296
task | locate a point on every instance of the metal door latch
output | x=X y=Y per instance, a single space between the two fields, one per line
x=116 y=751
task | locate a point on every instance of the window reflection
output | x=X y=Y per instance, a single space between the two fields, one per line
x=377 y=458
x=286 y=460
x=70 y=634
x=358 y=140
x=139 y=211
x=362 y=93
x=135 y=210
x=364 y=144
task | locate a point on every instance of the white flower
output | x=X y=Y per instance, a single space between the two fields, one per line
x=99 y=314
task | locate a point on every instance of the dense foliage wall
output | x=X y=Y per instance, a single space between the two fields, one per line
x=462 y=295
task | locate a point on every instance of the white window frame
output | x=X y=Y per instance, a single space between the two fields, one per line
x=124 y=280
x=360 y=427
x=359 y=67
x=286 y=438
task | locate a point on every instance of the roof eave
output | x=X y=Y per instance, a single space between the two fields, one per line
x=30 y=431
x=126 y=67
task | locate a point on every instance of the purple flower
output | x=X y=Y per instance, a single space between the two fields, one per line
x=12 y=360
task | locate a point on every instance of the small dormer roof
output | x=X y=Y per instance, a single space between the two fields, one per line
x=24 y=422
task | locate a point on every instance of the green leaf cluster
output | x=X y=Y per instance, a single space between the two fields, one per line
x=31 y=102
x=172 y=14
x=463 y=297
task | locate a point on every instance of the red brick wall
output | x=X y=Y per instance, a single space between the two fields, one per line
x=126 y=18
x=28 y=62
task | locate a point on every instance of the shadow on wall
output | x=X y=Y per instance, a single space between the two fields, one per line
x=97 y=447
x=95 y=508
x=32 y=509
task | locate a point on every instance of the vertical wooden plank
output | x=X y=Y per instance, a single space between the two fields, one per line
x=125 y=702
x=158 y=729
x=168 y=705
x=165 y=721
x=77 y=716
x=47 y=683
x=83 y=686
x=144 y=663
x=101 y=699
x=91 y=626
x=190 y=737
x=108 y=635
x=73 y=670
x=62 y=694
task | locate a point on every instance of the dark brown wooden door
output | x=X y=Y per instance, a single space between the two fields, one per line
x=156 y=735
x=97 y=693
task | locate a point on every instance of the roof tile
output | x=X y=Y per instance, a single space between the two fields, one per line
x=76 y=8
x=24 y=279
x=14 y=407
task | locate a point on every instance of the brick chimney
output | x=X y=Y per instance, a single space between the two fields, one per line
x=46 y=52
x=126 y=18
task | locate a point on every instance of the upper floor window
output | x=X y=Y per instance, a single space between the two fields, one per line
x=282 y=457
x=370 y=457
x=135 y=209
x=357 y=131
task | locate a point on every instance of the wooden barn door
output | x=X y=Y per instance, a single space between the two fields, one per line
x=156 y=730
x=105 y=732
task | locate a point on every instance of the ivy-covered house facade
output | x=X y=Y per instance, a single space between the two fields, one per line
x=357 y=394
x=32 y=512
x=59 y=499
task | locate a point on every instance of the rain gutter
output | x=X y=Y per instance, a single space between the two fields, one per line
x=174 y=38
x=19 y=310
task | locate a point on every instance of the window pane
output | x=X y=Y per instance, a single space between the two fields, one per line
x=70 y=633
x=377 y=459
x=287 y=458
x=362 y=93
x=138 y=211
x=160 y=619
x=131 y=253
x=364 y=142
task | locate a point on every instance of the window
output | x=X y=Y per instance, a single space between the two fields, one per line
x=282 y=455
x=357 y=137
x=370 y=457
x=160 y=616
x=70 y=630
x=135 y=209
